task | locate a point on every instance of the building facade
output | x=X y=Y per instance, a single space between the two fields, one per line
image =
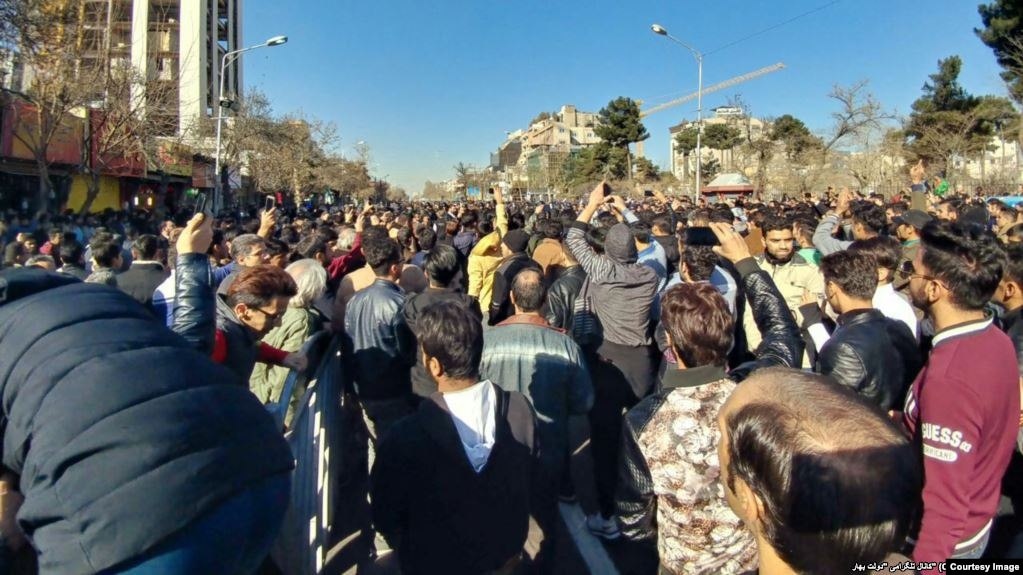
x=728 y=115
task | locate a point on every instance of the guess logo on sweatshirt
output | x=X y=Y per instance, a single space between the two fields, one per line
x=945 y=436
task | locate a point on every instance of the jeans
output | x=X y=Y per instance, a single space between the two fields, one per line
x=232 y=539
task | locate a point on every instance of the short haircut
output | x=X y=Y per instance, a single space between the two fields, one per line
x=427 y=238
x=885 y=250
x=528 y=290
x=855 y=272
x=952 y=205
x=145 y=247
x=700 y=262
x=722 y=214
x=640 y=232
x=275 y=247
x=966 y=258
x=469 y=219
x=813 y=452
x=105 y=249
x=442 y=264
x=72 y=252
x=699 y=323
x=260 y=285
x=1014 y=264
x=311 y=245
x=870 y=215
x=552 y=230
x=662 y=223
x=245 y=244
x=595 y=236
x=380 y=250
x=776 y=223
x=310 y=281
x=453 y=336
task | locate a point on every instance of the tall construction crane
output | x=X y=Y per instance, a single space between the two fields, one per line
x=715 y=88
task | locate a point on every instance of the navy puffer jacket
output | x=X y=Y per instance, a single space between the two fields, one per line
x=122 y=433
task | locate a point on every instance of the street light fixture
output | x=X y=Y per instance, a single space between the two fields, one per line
x=659 y=30
x=222 y=103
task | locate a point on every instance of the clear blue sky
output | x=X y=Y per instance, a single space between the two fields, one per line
x=430 y=84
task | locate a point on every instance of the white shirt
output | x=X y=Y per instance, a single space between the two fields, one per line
x=474 y=411
x=894 y=306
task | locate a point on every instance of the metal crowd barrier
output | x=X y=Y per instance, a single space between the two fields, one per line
x=316 y=441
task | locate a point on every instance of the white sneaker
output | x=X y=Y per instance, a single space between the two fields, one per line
x=605 y=528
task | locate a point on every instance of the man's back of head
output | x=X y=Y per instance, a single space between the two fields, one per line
x=381 y=252
x=441 y=265
x=528 y=292
x=823 y=479
x=145 y=247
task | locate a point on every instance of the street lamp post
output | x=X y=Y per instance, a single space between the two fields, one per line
x=658 y=29
x=227 y=59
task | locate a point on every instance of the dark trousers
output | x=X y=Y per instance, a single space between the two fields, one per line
x=622 y=375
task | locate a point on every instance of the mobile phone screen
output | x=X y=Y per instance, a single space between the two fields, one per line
x=607 y=189
x=200 y=203
x=701 y=237
x=269 y=203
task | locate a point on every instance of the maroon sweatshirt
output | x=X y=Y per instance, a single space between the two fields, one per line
x=964 y=409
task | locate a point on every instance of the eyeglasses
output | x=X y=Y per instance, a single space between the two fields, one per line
x=271 y=318
x=907 y=270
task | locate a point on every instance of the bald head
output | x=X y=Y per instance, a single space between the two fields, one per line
x=528 y=291
x=824 y=478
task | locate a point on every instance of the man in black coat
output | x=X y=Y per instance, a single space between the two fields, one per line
x=513 y=248
x=875 y=356
x=145 y=273
x=452 y=483
x=128 y=442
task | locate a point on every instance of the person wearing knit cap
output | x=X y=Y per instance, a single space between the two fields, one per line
x=615 y=326
x=513 y=250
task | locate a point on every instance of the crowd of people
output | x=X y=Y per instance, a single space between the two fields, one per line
x=794 y=386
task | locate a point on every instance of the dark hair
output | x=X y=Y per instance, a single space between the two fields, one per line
x=105 y=249
x=427 y=238
x=442 y=264
x=528 y=290
x=145 y=247
x=453 y=336
x=244 y=244
x=640 y=232
x=871 y=216
x=259 y=285
x=72 y=252
x=1014 y=233
x=469 y=219
x=381 y=252
x=775 y=223
x=552 y=230
x=275 y=247
x=854 y=271
x=700 y=262
x=312 y=245
x=663 y=223
x=721 y=213
x=1014 y=263
x=700 y=325
x=12 y=252
x=885 y=250
x=952 y=205
x=595 y=236
x=813 y=452
x=966 y=258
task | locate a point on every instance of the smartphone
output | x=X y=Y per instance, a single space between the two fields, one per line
x=200 y=203
x=269 y=203
x=701 y=237
x=648 y=193
x=607 y=189
x=490 y=191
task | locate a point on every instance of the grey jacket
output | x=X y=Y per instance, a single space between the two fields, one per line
x=526 y=355
x=621 y=292
x=823 y=240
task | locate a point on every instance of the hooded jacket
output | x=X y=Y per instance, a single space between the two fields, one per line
x=621 y=292
x=126 y=436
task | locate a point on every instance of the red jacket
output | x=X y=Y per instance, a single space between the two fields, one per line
x=963 y=409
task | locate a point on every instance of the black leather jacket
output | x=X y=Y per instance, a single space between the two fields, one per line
x=379 y=346
x=559 y=309
x=500 y=305
x=875 y=356
x=195 y=316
